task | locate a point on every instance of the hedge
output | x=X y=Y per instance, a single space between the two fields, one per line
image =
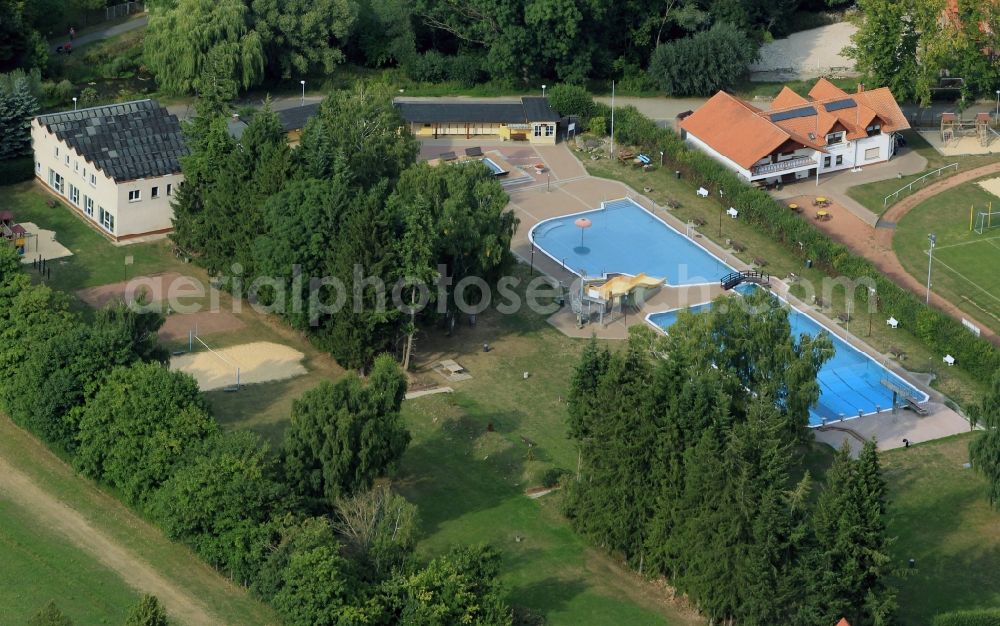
x=938 y=331
x=17 y=170
x=982 y=617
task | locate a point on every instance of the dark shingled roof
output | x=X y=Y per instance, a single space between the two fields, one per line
x=125 y=141
x=295 y=118
x=529 y=109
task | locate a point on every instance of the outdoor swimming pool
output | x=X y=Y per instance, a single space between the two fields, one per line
x=626 y=238
x=849 y=382
x=496 y=169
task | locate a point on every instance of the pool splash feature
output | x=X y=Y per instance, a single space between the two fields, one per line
x=494 y=167
x=626 y=238
x=850 y=382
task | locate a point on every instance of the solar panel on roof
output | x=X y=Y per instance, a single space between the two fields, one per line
x=836 y=105
x=794 y=113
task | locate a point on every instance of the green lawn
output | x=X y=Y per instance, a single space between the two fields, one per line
x=41 y=565
x=964 y=261
x=941 y=517
x=95 y=260
x=951 y=381
x=872 y=195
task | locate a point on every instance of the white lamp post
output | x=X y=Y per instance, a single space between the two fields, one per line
x=998 y=104
x=74 y=103
x=930 y=260
x=303 y=101
x=543 y=91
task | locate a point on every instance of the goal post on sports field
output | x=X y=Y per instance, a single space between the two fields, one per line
x=983 y=220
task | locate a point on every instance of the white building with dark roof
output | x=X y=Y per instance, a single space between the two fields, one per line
x=529 y=118
x=117 y=165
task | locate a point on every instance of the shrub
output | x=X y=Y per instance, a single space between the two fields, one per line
x=89 y=96
x=982 y=617
x=16 y=170
x=429 y=67
x=466 y=69
x=704 y=63
x=62 y=91
x=598 y=126
x=551 y=477
x=571 y=100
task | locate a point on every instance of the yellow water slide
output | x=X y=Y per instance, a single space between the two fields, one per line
x=623 y=285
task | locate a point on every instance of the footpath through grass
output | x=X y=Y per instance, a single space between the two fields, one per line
x=41 y=565
x=872 y=195
x=965 y=262
x=941 y=517
x=871 y=328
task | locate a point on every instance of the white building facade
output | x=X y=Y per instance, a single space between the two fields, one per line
x=117 y=166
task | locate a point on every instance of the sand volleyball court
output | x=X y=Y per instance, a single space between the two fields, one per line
x=258 y=362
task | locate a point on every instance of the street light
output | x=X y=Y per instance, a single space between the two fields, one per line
x=74 y=103
x=930 y=260
x=303 y=101
x=661 y=159
x=998 y=104
x=543 y=91
x=721 y=209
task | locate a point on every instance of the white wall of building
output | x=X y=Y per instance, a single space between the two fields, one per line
x=96 y=196
x=707 y=149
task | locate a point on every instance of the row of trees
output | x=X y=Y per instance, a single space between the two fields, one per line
x=905 y=45
x=305 y=527
x=691 y=468
x=351 y=195
x=146 y=612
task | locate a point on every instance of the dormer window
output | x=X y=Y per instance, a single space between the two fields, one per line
x=875 y=128
x=835 y=138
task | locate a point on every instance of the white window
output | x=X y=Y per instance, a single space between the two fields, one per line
x=549 y=129
x=76 y=166
x=135 y=195
x=169 y=188
x=874 y=129
x=107 y=219
x=88 y=206
x=84 y=173
x=57 y=152
x=38 y=167
x=872 y=153
x=538 y=131
x=74 y=194
x=840 y=159
x=93 y=180
x=67 y=160
x=826 y=161
x=56 y=181
x=155 y=192
x=833 y=138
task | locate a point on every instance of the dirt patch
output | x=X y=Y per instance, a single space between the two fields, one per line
x=843 y=225
x=258 y=362
x=806 y=54
x=155 y=288
x=20 y=489
x=991 y=186
x=178 y=325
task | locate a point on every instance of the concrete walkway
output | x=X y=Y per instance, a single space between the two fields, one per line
x=890 y=429
x=835 y=185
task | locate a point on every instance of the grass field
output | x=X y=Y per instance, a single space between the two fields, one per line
x=941 y=517
x=872 y=195
x=965 y=262
x=40 y=565
x=951 y=381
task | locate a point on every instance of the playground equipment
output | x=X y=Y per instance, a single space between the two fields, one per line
x=14 y=233
x=619 y=286
x=953 y=128
x=603 y=296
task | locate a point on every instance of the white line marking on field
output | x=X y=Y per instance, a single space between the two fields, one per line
x=963 y=277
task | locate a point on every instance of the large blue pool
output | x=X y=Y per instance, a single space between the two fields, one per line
x=849 y=382
x=626 y=238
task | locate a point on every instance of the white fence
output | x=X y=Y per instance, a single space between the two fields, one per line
x=908 y=188
x=123 y=10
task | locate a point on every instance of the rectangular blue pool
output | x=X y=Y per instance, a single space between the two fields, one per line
x=849 y=382
x=626 y=238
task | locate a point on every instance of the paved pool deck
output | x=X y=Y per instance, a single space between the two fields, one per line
x=570 y=191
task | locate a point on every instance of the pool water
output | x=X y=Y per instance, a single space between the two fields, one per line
x=626 y=238
x=849 y=382
x=496 y=169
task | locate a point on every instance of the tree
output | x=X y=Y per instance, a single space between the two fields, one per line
x=457 y=588
x=363 y=129
x=181 y=40
x=138 y=425
x=379 y=530
x=318 y=590
x=886 y=46
x=221 y=502
x=703 y=63
x=147 y=612
x=343 y=435
x=20 y=45
x=384 y=32
x=50 y=616
x=303 y=37
x=18 y=106
x=984 y=450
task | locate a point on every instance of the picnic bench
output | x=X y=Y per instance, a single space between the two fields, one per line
x=795 y=208
x=823 y=216
x=843 y=317
x=452 y=367
x=897 y=353
x=820 y=201
x=737 y=246
x=759 y=262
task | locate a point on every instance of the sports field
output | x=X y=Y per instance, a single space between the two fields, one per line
x=965 y=267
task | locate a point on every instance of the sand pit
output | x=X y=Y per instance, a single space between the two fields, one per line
x=42 y=243
x=156 y=288
x=991 y=185
x=258 y=362
x=960 y=145
x=178 y=325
